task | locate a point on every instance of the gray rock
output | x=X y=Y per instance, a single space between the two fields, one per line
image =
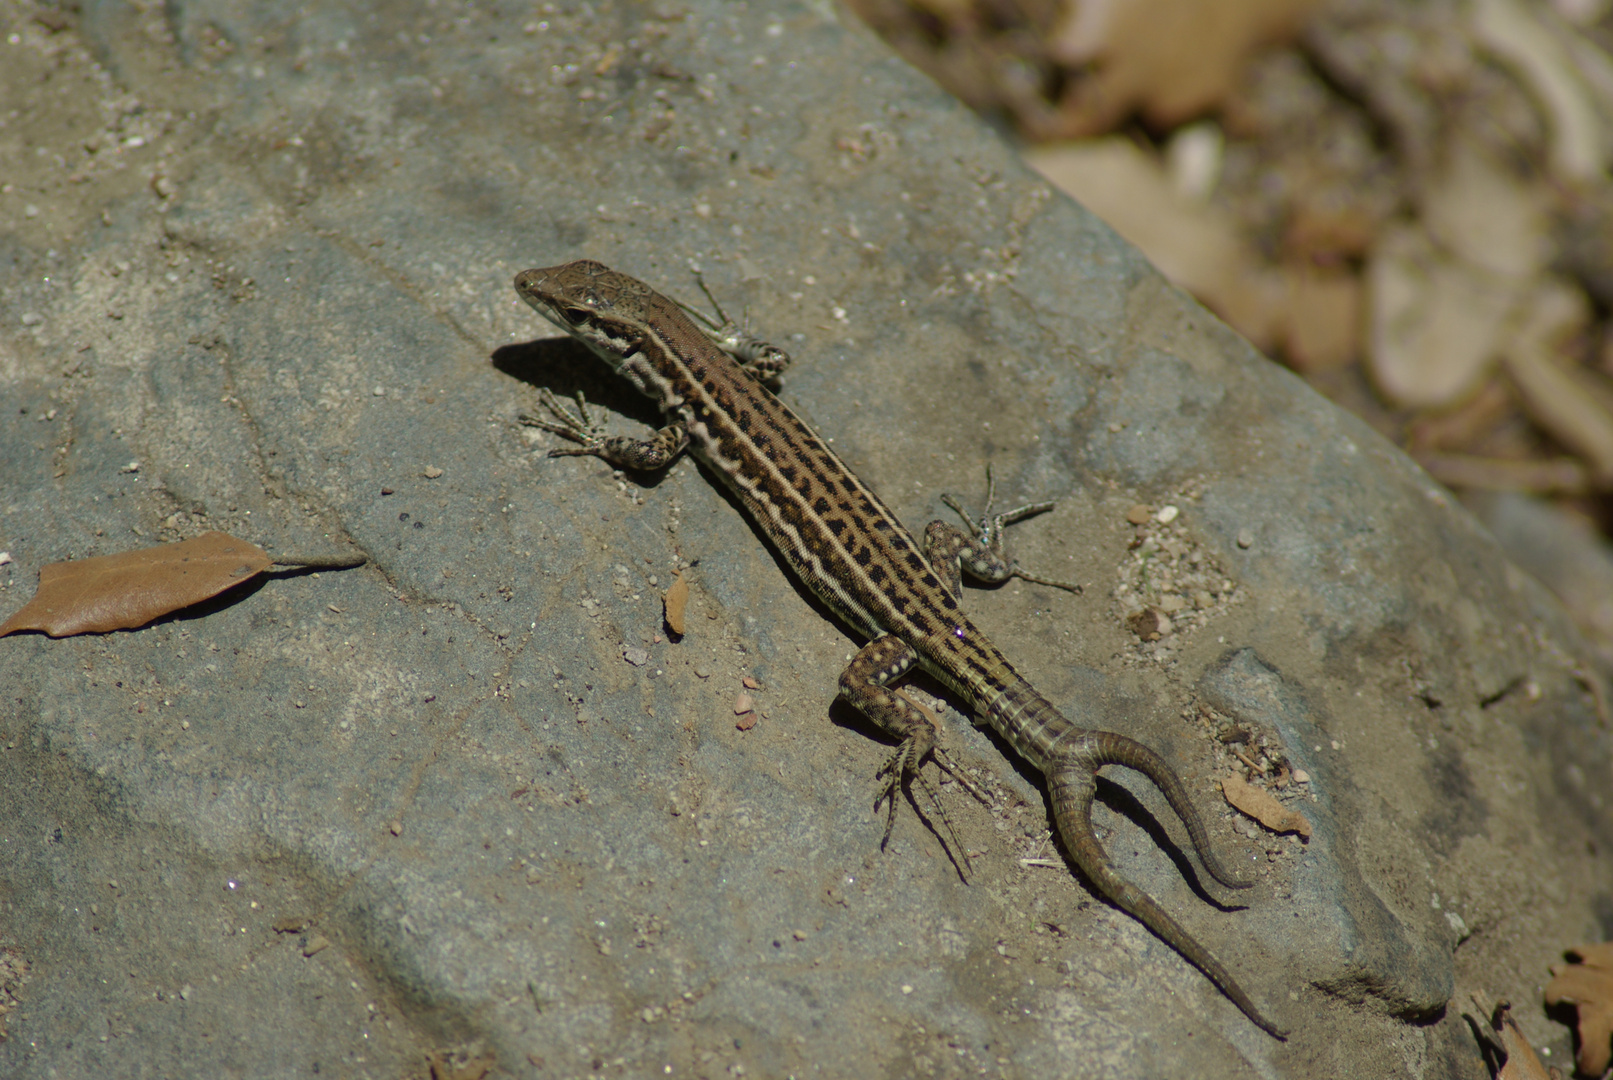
x=470 y=801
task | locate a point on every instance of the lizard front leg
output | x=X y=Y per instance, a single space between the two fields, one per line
x=649 y=455
x=761 y=360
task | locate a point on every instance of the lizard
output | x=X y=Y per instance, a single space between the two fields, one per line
x=849 y=549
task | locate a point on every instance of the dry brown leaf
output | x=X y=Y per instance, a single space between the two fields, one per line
x=1546 y=66
x=459 y=1066
x=120 y=592
x=1467 y=423
x=677 y=598
x=1263 y=806
x=1170 y=59
x=1565 y=401
x=1538 y=476
x=1329 y=232
x=1483 y=213
x=1588 y=986
x=1501 y=1033
x=1435 y=321
x=1323 y=318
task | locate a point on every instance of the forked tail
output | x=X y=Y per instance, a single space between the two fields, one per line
x=1071 y=775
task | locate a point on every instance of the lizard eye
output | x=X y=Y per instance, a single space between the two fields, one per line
x=574 y=314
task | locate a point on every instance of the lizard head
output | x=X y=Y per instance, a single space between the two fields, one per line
x=603 y=309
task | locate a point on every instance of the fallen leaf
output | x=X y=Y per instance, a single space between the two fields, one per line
x=677 y=598
x=1329 y=233
x=1169 y=59
x=1483 y=213
x=1546 y=65
x=446 y=1066
x=1565 y=401
x=120 y=592
x=1503 y=1038
x=123 y=591
x=1588 y=986
x=1263 y=806
x=1435 y=321
x=1539 y=476
x=1466 y=425
x=1323 y=318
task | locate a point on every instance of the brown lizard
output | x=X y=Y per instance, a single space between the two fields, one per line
x=839 y=538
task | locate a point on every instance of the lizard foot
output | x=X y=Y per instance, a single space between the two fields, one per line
x=579 y=426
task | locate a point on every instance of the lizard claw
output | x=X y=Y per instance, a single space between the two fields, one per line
x=906 y=764
x=579 y=426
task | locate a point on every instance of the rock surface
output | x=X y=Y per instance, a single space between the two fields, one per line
x=469 y=805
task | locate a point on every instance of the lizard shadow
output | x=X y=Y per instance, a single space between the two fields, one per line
x=1120 y=800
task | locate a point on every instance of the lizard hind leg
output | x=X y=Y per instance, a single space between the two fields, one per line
x=981 y=550
x=1072 y=783
x=865 y=686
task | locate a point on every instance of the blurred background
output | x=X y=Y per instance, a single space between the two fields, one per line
x=1408 y=204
